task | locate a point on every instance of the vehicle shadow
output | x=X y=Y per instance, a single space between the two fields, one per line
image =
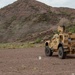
x=70 y=57
x=56 y=56
x=67 y=57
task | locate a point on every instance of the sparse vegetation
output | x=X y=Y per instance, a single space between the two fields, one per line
x=65 y=13
x=19 y=45
x=38 y=40
x=34 y=8
x=43 y=17
x=13 y=18
x=72 y=29
x=72 y=17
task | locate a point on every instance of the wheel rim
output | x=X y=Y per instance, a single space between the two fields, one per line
x=60 y=52
x=47 y=51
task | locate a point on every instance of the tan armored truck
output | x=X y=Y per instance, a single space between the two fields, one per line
x=63 y=43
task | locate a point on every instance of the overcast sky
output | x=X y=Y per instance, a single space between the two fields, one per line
x=60 y=3
x=54 y=3
x=5 y=2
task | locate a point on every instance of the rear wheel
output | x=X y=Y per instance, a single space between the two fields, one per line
x=61 y=53
x=48 y=51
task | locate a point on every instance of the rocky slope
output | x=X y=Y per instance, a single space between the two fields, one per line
x=27 y=20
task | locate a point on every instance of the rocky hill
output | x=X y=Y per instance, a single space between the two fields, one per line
x=27 y=20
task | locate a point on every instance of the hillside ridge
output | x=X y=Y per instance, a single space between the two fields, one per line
x=24 y=20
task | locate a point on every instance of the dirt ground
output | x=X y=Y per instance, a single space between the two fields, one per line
x=26 y=62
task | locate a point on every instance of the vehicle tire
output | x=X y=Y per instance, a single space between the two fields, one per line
x=48 y=51
x=61 y=53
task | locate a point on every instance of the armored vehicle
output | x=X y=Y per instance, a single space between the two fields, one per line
x=63 y=43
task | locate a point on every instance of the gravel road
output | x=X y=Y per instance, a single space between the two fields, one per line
x=32 y=61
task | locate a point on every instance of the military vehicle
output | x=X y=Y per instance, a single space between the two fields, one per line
x=63 y=43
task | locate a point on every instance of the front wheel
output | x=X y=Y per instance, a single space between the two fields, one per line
x=48 y=51
x=61 y=53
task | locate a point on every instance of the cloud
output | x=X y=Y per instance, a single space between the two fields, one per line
x=5 y=2
x=59 y=3
x=54 y=3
